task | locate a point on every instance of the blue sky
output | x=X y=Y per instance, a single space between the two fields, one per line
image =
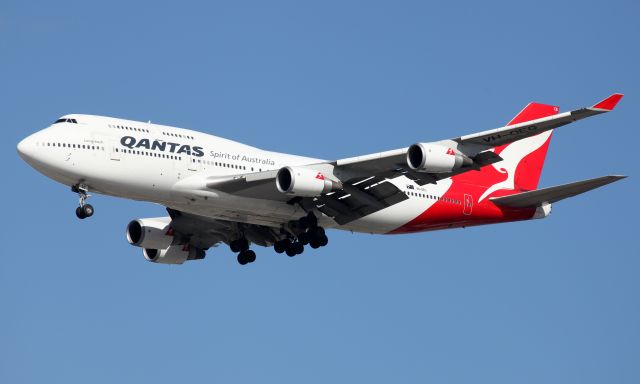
x=549 y=301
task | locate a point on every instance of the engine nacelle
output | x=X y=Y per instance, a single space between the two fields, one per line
x=304 y=182
x=153 y=233
x=435 y=158
x=174 y=254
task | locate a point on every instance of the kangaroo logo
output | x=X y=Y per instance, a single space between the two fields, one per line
x=512 y=156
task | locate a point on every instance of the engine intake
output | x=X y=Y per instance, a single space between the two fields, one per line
x=434 y=158
x=154 y=233
x=304 y=182
x=175 y=254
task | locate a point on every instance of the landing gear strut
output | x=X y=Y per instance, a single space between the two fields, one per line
x=84 y=210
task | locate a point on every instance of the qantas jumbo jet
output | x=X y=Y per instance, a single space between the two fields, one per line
x=221 y=191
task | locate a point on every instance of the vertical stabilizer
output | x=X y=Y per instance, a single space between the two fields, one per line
x=528 y=171
x=522 y=161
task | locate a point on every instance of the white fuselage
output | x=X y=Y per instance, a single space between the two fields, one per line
x=157 y=163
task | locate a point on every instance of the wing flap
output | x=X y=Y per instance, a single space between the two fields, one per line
x=359 y=198
x=553 y=194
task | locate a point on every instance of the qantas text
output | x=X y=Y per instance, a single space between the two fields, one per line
x=131 y=142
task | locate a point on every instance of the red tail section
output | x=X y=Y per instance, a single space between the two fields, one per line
x=522 y=160
x=534 y=111
x=530 y=168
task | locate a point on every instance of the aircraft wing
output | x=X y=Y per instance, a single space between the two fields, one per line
x=204 y=232
x=510 y=133
x=258 y=185
x=553 y=194
x=359 y=196
x=477 y=143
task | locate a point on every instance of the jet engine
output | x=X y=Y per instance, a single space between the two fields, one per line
x=174 y=254
x=153 y=233
x=304 y=182
x=435 y=158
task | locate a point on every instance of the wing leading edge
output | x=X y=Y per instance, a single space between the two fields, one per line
x=511 y=133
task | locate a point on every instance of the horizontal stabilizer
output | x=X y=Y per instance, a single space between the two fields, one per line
x=553 y=194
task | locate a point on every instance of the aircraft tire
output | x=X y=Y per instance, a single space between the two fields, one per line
x=87 y=210
x=280 y=246
x=250 y=255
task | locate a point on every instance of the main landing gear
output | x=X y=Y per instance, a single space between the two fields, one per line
x=245 y=255
x=299 y=233
x=84 y=210
x=312 y=235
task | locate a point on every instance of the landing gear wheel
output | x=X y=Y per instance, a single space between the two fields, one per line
x=280 y=246
x=298 y=247
x=250 y=255
x=84 y=210
x=242 y=260
x=291 y=250
x=304 y=238
x=244 y=244
x=239 y=245
x=246 y=257
x=318 y=238
x=316 y=233
x=87 y=210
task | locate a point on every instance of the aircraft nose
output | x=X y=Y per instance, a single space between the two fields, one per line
x=26 y=148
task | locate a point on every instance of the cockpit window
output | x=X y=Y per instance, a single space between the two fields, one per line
x=74 y=121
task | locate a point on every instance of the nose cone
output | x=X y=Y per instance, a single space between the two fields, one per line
x=26 y=148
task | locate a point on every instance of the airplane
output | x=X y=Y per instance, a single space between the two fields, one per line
x=218 y=191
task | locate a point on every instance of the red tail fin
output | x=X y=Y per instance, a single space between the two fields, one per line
x=534 y=111
x=522 y=161
x=530 y=168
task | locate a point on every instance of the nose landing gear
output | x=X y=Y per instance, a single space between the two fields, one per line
x=84 y=210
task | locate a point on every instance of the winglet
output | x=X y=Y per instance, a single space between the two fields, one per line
x=609 y=103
